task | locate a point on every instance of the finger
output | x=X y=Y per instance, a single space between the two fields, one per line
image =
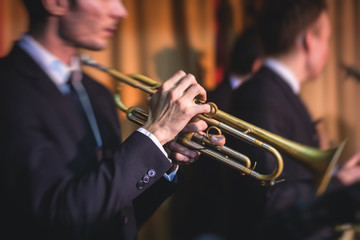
x=218 y=140
x=349 y=176
x=153 y=100
x=173 y=81
x=185 y=83
x=177 y=86
x=199 y=125
x=178 y=148
x=182 y=159
x=193 y=91
x=179 y=158
x=353 y=161
x=196 y=90
x=179 y=89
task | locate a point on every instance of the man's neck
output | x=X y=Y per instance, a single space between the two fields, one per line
x=295 y=64
x=284 y=72
x=50 y=40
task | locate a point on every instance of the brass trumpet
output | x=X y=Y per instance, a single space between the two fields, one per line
x=321 y=163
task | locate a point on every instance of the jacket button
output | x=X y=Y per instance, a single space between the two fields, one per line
x=140 y=184
x=151 y=173
x=146 y=179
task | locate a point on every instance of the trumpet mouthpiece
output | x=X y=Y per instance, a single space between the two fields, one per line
x=86 y=60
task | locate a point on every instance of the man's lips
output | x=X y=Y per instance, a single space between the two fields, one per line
x=110 y=31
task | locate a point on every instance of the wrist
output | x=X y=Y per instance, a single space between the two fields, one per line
x=159 y=133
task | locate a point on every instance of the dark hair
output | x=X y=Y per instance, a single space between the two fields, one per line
x=281 y=21
x=246 y=50
x=37 y=12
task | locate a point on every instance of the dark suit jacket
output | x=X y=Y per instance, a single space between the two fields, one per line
x=55 y=184
x=267 y=101
x=221 y=95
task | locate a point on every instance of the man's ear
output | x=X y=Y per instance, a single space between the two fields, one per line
x=256 y=65
x=56 y=7
x=307 y=40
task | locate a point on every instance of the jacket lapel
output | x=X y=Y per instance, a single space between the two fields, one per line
x=60 y=103
x=297 y=105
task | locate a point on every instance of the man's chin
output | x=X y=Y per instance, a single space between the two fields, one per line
x=94 y=46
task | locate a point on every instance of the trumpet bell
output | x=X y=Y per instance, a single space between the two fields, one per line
x=320 y=162
x=324 y=173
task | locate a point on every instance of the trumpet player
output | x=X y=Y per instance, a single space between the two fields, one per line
x=65 y=174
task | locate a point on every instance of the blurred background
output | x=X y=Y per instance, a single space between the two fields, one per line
x=163 y=36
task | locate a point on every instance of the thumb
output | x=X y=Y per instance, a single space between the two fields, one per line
x=203 y=108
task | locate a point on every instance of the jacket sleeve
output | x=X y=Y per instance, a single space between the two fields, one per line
x=147 y=203
x=36 y=175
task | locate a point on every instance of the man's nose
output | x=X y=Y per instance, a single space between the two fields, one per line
x=118 y=10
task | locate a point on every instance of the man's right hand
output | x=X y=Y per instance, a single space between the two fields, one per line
x=172 y=106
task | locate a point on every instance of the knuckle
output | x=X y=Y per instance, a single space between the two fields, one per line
x=183 y=107
x=191 y=78
x=172 y=96
x=197 y=88
x=181 y=104
x=180 y=72
x=165 y=86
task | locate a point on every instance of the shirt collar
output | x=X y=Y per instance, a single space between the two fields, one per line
x=284 y=72
x=235 y=81
x=56 y=70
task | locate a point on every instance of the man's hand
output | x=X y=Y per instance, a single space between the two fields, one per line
x=172 y=107
x=183 y=155
x=349 y=173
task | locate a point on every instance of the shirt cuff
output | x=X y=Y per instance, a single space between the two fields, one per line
x=170 y=177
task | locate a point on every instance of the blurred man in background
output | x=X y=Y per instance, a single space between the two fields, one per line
x=246 y=59
x=295 y=35
x=336 y=210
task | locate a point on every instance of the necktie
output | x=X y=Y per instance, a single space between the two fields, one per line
x=77 y=87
